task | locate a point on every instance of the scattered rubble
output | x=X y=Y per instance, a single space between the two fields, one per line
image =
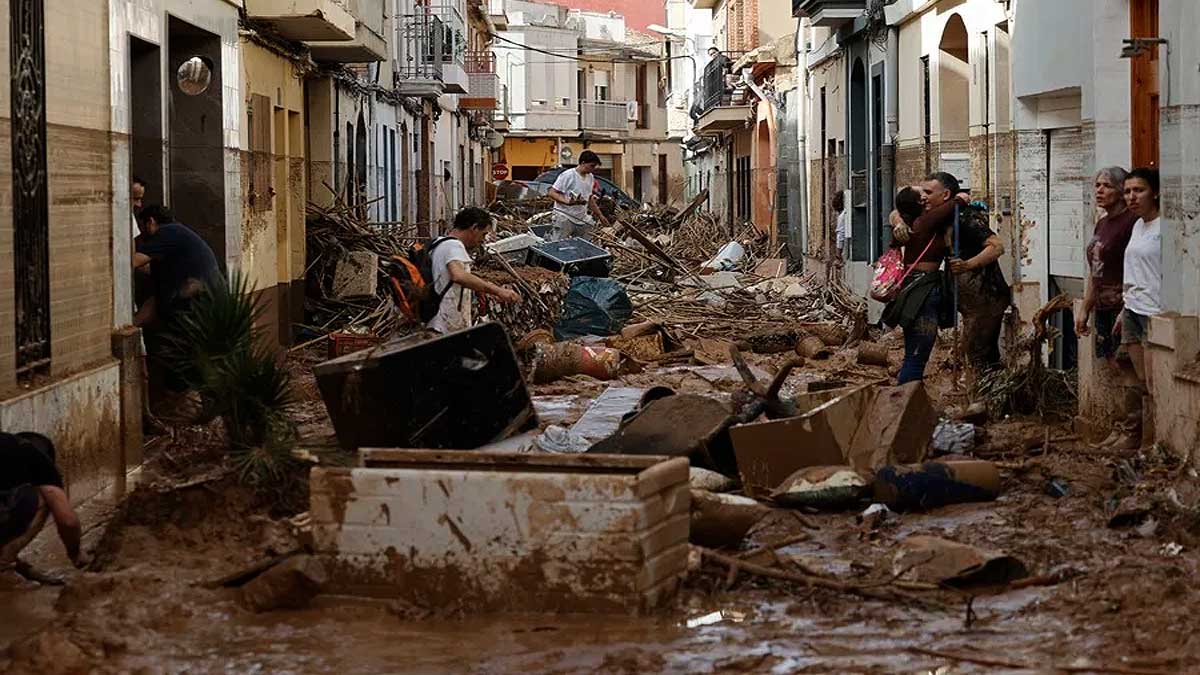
x=722 y=520
x=940 y=561
x=798 y=459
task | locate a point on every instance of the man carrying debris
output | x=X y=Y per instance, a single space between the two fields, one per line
x=574 y=193
x=31 y=489
x=451 y=263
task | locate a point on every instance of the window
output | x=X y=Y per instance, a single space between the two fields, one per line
x=259 y=132
x=393 y=211
x=600 y=85
x=30 y=201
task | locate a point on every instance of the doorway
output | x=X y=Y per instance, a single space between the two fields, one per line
x=954 y=93
x=663 y=193
x=1143 y=72
x=197 y=156
x=860 y=245
x=145 y=118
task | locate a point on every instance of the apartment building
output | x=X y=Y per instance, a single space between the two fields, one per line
x=588 y=83
x=1024 y=113
x=739 y=111
x=236 y=115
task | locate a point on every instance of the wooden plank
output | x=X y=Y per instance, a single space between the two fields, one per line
x=691 y=208
x=398 y=458
x=661 y=476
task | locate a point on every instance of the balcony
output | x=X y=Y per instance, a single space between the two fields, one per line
x=604 y=115
x=304 y=19
x=366 y=47
x=483 y=82
x=432 y=52
x=829 y=13
x=720 y=104
x=497 y=11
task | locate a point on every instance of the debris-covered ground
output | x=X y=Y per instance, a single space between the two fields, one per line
x=1117 y=598
x=1086 y=561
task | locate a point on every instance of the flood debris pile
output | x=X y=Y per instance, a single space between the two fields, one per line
x=544 y=292
x=343 y=287
x=1025 y=386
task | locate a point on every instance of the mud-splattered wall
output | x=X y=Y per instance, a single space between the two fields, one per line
x=273 y=186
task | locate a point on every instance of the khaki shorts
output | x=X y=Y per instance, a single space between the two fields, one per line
x=566 y=228
x=1135 y=328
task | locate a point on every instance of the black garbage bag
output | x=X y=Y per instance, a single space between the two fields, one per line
x=593 y=306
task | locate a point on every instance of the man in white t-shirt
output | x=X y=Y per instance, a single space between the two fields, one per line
x=574 y=194
x=452 y=277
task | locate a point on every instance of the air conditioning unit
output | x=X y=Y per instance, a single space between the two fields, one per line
x=631 y=111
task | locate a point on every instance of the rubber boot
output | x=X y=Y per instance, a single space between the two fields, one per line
x=1131 y=406
x=1127 y=434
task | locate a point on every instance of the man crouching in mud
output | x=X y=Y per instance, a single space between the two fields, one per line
x=31 y=489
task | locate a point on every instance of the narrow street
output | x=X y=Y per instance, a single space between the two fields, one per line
x=557 y=336
x=1122 y=608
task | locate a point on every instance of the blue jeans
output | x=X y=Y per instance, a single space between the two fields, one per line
x=920 y=337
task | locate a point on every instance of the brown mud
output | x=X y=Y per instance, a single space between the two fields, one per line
x=152 y=602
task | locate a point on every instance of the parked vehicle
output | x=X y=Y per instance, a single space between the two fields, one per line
x=520 y=190
x=607 y=187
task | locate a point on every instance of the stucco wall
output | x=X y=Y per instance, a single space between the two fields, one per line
x=82 y=415
x=80 y=222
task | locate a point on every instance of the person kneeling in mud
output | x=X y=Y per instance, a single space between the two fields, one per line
x=920 y=223
x=31 y=490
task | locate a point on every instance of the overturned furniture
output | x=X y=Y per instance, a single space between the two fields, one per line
x=499 y=532
x=460 y=391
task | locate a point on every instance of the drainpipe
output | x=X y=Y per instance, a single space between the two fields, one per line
x=802 y=130
x=337 y=135
x=891 y=90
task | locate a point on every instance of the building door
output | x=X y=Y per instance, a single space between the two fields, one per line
x=197 y=155
x=859 y=164
x=145 y=118
x=881 y=192
x=1067 y=233
x=1143 y=72
x=663 y=193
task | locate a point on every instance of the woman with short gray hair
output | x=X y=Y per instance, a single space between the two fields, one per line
x=1103 y=299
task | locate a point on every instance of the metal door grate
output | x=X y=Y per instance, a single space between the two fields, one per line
x=31 y=221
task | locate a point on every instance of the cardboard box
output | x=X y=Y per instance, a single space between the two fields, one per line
x=865 y=427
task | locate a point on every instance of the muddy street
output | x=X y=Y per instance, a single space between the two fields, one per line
x=1105 y=598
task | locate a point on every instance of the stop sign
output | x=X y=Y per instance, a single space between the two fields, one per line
x=499 y=171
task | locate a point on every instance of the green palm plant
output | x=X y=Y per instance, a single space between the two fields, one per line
x=217 y=350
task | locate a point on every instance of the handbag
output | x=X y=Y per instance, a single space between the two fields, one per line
x=890 y=273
